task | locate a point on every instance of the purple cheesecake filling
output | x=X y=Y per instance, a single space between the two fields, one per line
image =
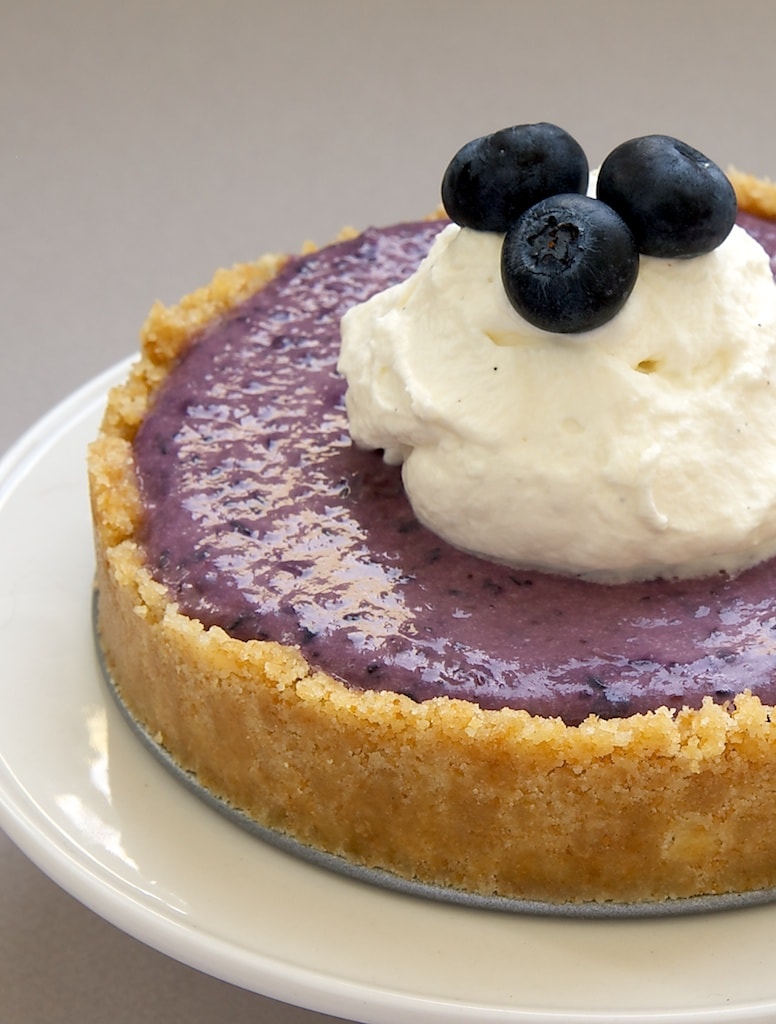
x=261 y=517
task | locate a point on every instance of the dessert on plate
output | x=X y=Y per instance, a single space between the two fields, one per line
x=448 y=548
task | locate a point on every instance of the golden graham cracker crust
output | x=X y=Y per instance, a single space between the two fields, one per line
x=648 y=807
x=755 y=195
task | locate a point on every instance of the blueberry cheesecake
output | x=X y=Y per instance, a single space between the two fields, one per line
x=448 y=549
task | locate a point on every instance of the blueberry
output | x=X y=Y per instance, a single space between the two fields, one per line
x=492 y=180
x=675 y=200
x=569 y=263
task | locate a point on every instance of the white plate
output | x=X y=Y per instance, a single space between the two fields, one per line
x=97 y=812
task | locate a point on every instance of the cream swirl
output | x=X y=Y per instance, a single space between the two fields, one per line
x=643 y=448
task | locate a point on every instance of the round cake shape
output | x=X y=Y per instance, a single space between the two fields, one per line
x=644 y=806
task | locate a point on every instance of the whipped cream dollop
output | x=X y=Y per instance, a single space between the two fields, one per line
x=643 y=448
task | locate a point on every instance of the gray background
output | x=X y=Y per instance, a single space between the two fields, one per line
x=143 y=144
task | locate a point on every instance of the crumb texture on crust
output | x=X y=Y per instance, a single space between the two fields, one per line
x=755 y=195
x=168 y=329
x=648 y=807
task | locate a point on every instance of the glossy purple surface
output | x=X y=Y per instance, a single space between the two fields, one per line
x=261 y=517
